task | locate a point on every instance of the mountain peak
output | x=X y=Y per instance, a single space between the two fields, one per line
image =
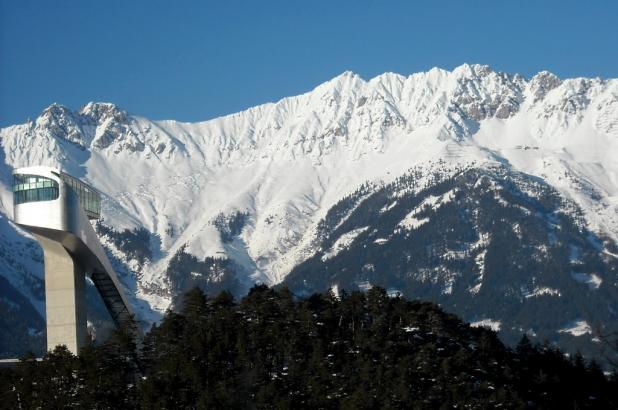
x=472 y=70
x=338 y=85
x=55 y=109
x=388 y=77
x=99 y=112
x=347 y=77
x=347 y=74
x=542 y=83
x=97 y=106
x=60 y=121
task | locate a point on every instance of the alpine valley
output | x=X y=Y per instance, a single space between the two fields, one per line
x=494 y=195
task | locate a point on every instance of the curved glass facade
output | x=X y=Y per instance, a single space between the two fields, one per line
x=33 y=188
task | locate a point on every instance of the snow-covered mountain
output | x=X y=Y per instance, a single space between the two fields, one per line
x=243 y=198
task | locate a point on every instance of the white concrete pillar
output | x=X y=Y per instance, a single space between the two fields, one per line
x=65 y=297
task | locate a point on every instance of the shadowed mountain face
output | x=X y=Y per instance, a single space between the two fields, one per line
x=261 y=195
x=499 y=248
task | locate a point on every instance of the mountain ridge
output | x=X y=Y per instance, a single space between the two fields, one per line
x=286 y=164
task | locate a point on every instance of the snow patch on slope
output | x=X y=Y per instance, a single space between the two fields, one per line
x=494 y=325
x=540 y=291
x=577 y=328
x=591 y=279
x=343 y=242
x=411 y=222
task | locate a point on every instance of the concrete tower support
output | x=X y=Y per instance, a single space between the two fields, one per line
x=57 y=209
x=65 y=297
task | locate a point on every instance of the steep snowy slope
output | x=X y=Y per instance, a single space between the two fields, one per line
x=238 y=199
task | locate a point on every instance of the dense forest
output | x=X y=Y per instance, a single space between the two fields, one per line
x=273 y=350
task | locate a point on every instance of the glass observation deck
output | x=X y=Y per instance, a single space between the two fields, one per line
x=35 y=188
x=89 y=198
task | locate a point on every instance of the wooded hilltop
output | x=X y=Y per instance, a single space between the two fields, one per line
x=273 y=350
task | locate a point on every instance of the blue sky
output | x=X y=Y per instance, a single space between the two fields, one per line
x=190 y=60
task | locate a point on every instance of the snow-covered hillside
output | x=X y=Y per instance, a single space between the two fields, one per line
x=282 y=166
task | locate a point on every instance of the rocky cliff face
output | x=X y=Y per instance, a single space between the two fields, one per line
x=286 y=166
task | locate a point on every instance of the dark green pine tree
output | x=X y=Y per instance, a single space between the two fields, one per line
x=166 y=386
x=56 y=380
x=108 y=374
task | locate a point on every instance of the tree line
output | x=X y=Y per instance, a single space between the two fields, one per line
x=274 y=350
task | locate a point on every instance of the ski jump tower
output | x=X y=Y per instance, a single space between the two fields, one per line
x=57 y=208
